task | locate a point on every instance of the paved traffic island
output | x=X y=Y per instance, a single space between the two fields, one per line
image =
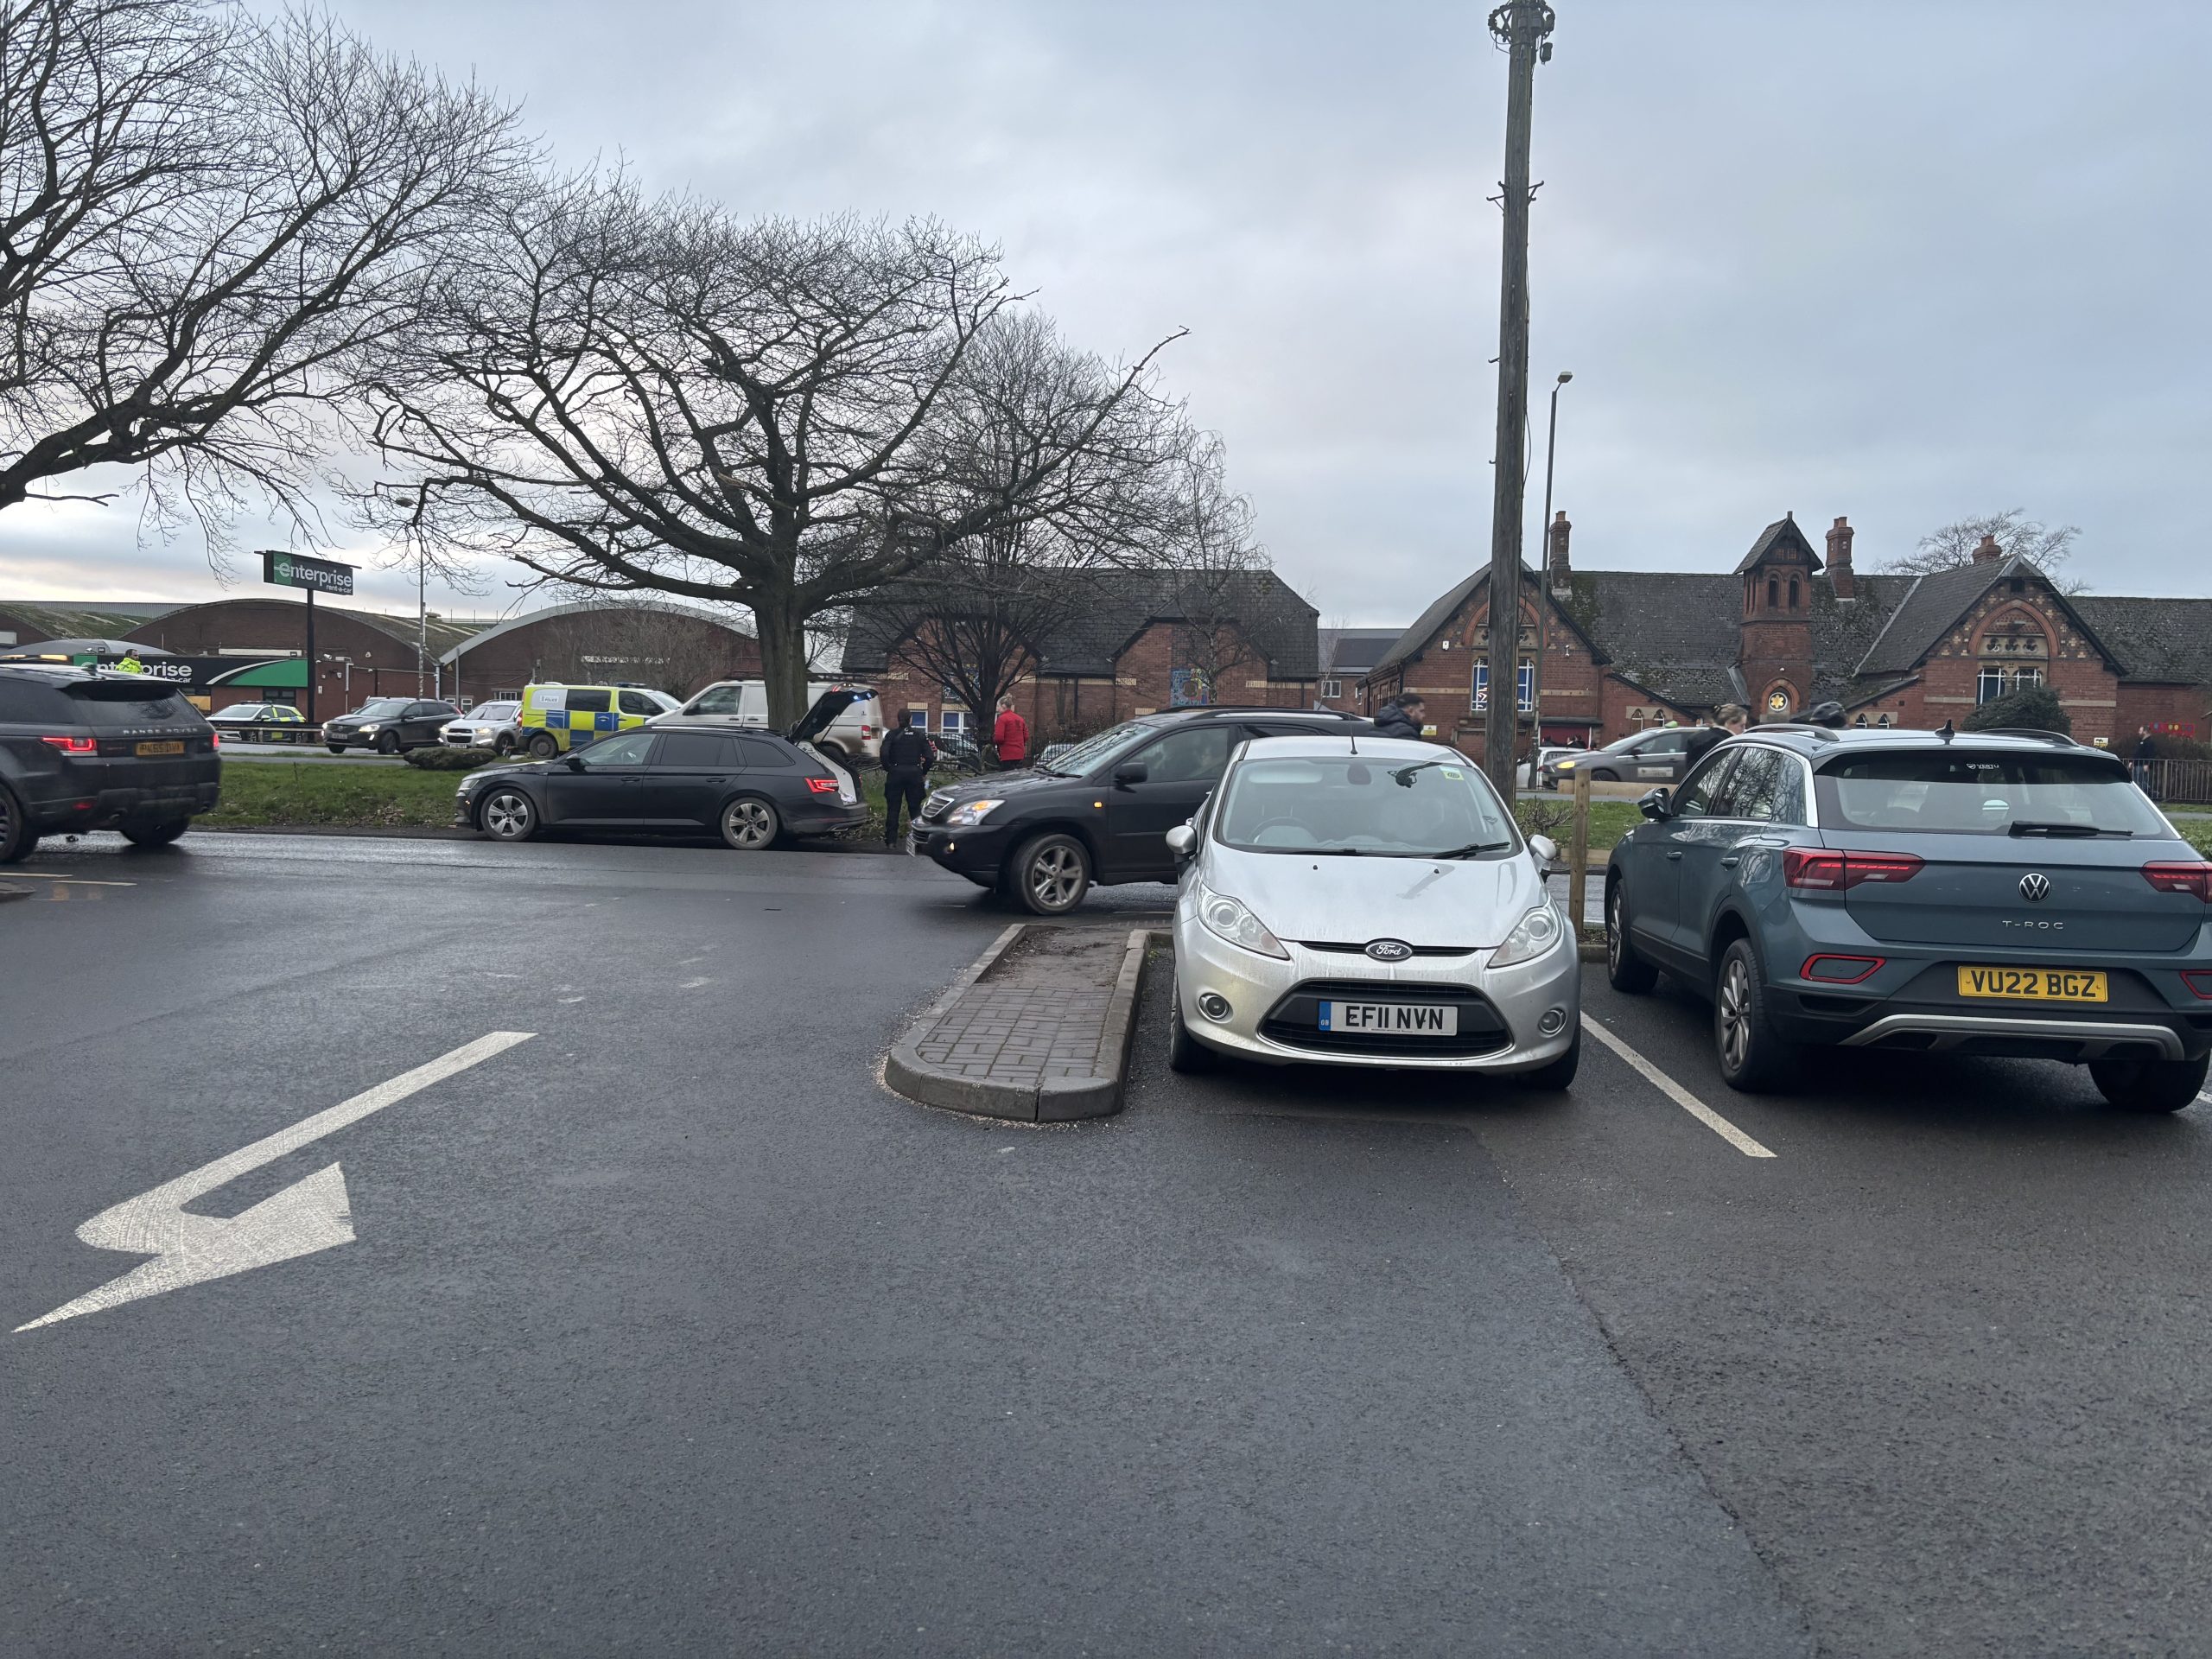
x=1037 y=1030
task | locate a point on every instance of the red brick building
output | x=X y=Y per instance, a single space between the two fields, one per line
x=1137 y=643
x=1790 y=626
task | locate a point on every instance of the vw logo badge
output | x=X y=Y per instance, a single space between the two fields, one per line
x=1389 y=950
x=2034 y=886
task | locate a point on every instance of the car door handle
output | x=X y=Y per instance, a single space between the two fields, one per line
x=1673 y=852
x=1730 y=861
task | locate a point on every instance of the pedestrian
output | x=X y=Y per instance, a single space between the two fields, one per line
x=908 y=754
x=1010 y=737
x=1402 y=717
x=1732 y=718
x=2146 y=750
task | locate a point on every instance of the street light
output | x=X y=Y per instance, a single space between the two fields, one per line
x=1543 y=584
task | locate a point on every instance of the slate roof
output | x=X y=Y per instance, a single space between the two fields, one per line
x=1120 y=605
x=1353 y=651
x=2168 y=640
x=63 y=619
x=1673 y=632
x=1783 y=529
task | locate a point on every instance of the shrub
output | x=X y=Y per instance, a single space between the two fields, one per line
x=2033 y=707
x=443 y=759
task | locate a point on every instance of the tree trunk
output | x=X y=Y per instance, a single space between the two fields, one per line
x=783 y=663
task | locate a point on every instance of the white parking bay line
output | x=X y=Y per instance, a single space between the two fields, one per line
x=1682 y=1096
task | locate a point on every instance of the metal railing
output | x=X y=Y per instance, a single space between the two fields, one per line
x=2177 y=783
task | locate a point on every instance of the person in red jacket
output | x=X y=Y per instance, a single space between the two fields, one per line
x=1010 y=737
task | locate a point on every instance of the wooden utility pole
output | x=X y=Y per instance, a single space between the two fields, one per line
x=1524 y=28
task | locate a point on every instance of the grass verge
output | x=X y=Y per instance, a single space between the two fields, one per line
x=1609 y=821
x=276 y=794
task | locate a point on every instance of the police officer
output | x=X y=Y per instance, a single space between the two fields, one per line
x=908 y=754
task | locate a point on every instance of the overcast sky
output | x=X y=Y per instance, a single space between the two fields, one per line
x=1905 y=261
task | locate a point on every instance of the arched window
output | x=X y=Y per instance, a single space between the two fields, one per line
x=1773 y=592
x=1793 y=593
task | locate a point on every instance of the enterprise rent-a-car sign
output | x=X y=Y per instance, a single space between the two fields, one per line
x=296 y=570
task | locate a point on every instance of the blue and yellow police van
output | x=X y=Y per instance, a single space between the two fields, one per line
x=558 y=717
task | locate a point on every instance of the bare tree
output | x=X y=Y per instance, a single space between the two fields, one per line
x=1217 y=580
x=2045 y=546
x=624 y=395
x=203 y=220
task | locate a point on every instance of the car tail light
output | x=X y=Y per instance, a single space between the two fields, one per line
x=1840 y=970
x=2166 y=878
x=75 y=745
x=823 y=786
x=1824 y=869
x=2198 y=981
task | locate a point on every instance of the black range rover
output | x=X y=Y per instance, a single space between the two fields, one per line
x=88 y=749
x=1098 y=813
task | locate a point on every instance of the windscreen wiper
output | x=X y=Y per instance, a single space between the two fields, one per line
x=2082 y=831
x=1471 y=849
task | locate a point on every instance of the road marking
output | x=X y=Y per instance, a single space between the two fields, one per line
x=1682 y=1096
x=312 y=1214
x=73 y=881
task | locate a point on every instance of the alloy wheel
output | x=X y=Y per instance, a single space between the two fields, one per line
x=1613 y=929
x=748 y=825
x=1735 y=1003
x=1055 y=876
x=506 y=816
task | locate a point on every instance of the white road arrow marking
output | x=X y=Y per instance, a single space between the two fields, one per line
x=311 y=1214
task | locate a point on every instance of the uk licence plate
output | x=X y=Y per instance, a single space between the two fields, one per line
x=1391 y=1019
x=161 y=748
x=2034 y=984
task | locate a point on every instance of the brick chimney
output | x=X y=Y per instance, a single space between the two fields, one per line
x=1840 y=577
x=1562 y=573
x=1986 y=551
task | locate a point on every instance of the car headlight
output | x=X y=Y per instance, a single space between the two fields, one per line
x=1533 y=935
x=1226 y=918
x=1563 y=765
x=366 y=726
x=969 y=813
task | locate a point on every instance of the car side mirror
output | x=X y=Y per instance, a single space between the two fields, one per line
x=1124 y=776
x=1546 y=850
x=1658 y=805
x=1182 y=840
x=573 y=762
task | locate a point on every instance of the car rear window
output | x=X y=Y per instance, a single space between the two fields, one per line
x=28 y=702
x=115 y=704
x=1963 y=792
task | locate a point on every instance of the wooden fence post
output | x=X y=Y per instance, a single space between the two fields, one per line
x=1578 y=853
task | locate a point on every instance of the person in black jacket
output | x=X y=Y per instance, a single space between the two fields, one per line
x=908 y=754
x=1401 y=717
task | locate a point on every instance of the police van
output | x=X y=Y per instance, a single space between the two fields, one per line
x=556 y=718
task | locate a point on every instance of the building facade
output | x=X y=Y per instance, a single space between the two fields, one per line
x=1790 y=626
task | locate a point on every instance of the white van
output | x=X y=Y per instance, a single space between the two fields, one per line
x=855 y=736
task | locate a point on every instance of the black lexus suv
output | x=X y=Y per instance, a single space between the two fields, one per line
x=91 y=749
x=1098 y=813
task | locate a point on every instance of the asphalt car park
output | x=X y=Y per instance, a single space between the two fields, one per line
x=1280 y=1357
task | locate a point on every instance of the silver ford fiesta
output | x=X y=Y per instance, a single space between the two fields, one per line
x=1356 y=900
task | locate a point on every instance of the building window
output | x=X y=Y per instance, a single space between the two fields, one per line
x=1774 y=593
x=952 y=722
x=1793 y=593
x=2024 y=677
x=1524 y=692
x=1332 y=688
x=1988 y=684
x=507 y=694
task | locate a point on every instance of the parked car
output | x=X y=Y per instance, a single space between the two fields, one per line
x=493 y=726
x=89 y=749
x=556 y=718
x=1357 y=900
x=752 y=787
x=1979 y=893
x=388 y=725
x=855 y=737
x=271 y=721
x=1660 y=756
x=1539 y=769
x=1101 y=812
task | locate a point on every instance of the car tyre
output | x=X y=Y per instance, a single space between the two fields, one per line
x=1051 y=874
x=1754 y=1058
x=2145 y=1085
x=387 y=743
x=750 y=824
x=336 y=748
x=502 y=745
x=1604 y=777
x=1560 y=1073
x=1625 y=971
x=17 y=838
x=158 y=832
x=1185 y=1054
x=507 y=815
x=543 y=746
